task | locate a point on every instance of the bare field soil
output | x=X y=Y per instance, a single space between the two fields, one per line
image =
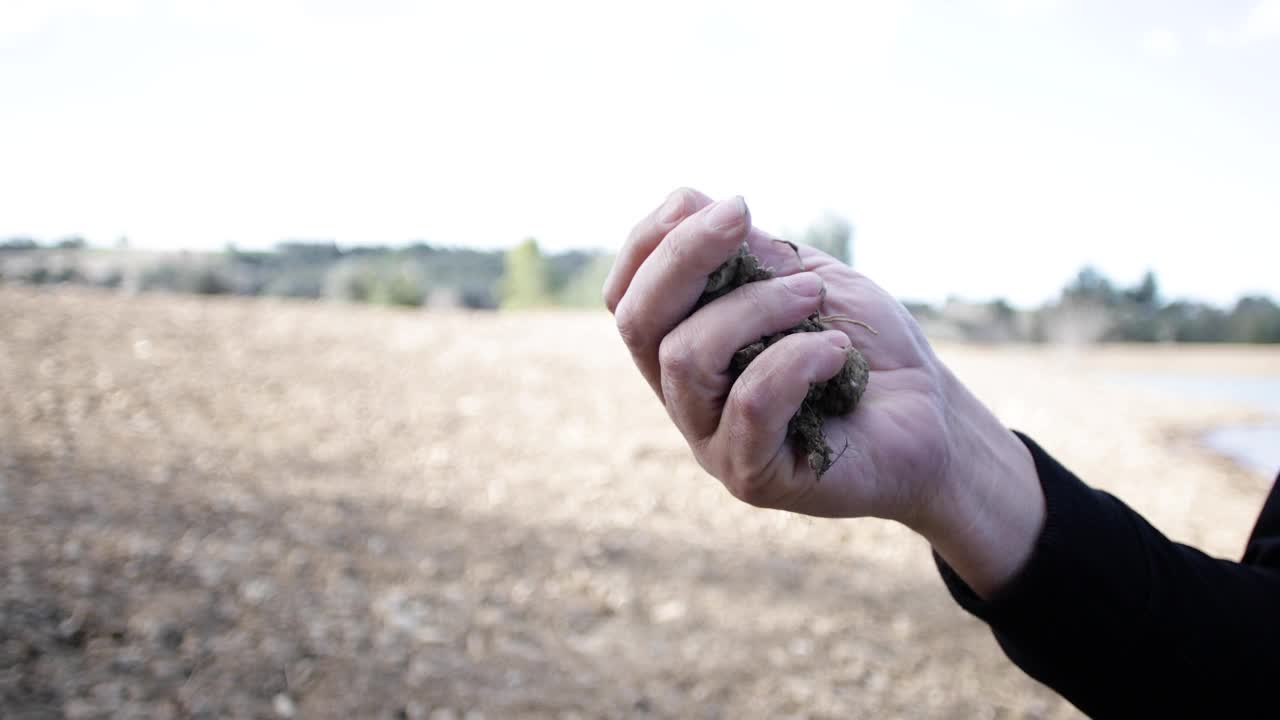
x=251 y=508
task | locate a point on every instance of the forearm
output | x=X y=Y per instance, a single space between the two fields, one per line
x=989 y=509
x=1121 y=620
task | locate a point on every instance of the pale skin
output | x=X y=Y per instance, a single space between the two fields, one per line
x=921 y=449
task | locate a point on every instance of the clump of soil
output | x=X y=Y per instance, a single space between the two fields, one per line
x=837 y=396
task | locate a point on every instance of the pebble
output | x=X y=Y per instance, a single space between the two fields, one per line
x=283 y=705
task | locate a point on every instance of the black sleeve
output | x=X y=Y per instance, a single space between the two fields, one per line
x=1123 y=622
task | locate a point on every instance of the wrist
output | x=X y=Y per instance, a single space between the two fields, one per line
x=989 y=509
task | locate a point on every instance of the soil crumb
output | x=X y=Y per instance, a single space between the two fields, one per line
x=837 y=396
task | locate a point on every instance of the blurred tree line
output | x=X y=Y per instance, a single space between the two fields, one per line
x=412 y=276
x=1090 y=308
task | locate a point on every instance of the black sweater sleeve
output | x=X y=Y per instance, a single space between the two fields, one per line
x=1123 y=622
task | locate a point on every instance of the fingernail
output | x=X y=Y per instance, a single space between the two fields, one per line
x=727 y=213
x=837 y=338
x=671 y=209
x=806 y=283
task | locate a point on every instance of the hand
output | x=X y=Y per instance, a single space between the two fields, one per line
x=892 y=448
x=918 y=449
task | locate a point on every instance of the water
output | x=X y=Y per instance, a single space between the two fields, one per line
x=1256 y=446
x=1260 y=392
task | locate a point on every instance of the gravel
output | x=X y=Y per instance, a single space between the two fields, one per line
x=254 y=508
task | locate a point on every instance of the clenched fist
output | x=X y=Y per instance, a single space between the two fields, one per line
x=918 y=449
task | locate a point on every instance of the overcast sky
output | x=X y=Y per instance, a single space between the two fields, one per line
x=990 y=150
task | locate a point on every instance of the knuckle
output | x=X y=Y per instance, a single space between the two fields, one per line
x=611 y=295
x=675 y=357
x=679 y=198
x=739 y=433
x=630 y=327
x=615 y=291
x=753 y=404
x=689 y=198
x=672 y=248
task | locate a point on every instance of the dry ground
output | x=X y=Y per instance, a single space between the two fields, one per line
x=247 y=508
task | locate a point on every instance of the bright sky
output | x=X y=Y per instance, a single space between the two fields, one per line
x=981 y=151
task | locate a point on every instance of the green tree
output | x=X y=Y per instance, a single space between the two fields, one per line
x=1138 y=313
x=1147 y=292
x=1255 y=319
x=351 y=280
x=19 y=243
x=399 y=282
x=1090 y=286
x=583 y=288
x=1187 y=321
x=525 y=281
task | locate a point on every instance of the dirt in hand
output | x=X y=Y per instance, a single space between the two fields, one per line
x=837 y=396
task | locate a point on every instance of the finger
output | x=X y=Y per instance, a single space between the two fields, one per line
x=694 y=358
x=761 y=468
x=776 y=254
x=645 y=236
x=671 y=279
